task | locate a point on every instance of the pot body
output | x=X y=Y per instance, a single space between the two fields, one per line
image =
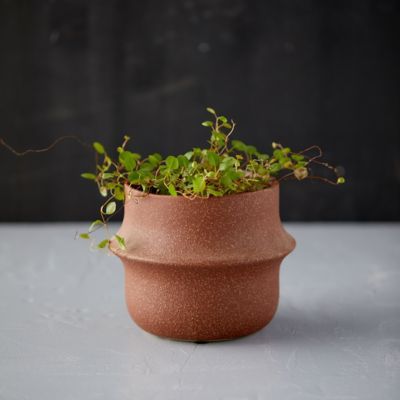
x=203 y=269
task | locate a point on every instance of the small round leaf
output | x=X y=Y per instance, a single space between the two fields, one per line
x=99 y=147
x=111 y=207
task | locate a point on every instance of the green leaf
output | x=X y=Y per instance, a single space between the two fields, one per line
x=218 y=138
x=239 y=145
x=171 y=190
x=261 y=170
x=95 y=224
x=121 y=242
x=278 y=154
x=340 y=180
x=250 y=150
x=301 y=164
x=146 y=166
x=111 y=207
x=211 y=174
x=155 y=159
x=213 y=158
x=262 y=156
x=214 y=192
x=84 y=236
x=103 y=244
x=207 y=123
x=229 y=176
x=108 y=175
x=194 y=165
x=119 y=193
x=197 y=152
x=88 y=175
x=136 y=156
x=284 y=160
x=127 y=159
x=223 y=119
x=172 y=163
x=134 y=177
x=274 y=168
x=211 y=110
x=110 y=185
x=183 y=161
x=103 y=191
x=226 y=163
x=199 y=184
x=189 y=155
x=99 y=147
x=145 y=174
x=297 y=157
x=226 y=181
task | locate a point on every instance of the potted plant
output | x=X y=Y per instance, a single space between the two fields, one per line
x=201 y=239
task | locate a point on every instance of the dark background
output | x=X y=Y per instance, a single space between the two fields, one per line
x=297 y=72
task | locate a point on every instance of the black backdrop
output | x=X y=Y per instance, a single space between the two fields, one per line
x=298 y=72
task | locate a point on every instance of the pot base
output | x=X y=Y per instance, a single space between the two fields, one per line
x=211 y=340
x=202 y=304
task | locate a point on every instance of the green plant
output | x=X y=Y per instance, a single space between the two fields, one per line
x=225 y=167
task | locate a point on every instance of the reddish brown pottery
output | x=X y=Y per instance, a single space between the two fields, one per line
x=203 y=269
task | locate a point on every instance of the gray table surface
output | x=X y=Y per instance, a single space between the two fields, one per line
x=65 y=332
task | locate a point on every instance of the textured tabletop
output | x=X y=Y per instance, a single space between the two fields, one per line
x=65 y=332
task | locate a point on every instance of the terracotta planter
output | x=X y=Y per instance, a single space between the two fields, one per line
x=203 y=269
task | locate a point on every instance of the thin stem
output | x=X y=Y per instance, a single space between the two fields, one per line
x=320 y=178
x=227 y=138
x=285 y=176
x=45 y=149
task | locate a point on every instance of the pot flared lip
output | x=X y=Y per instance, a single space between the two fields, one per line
x=136 y=193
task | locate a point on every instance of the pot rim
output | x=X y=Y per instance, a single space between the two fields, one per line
x=133 y=192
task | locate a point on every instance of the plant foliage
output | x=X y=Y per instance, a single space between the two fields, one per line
x=225 y=167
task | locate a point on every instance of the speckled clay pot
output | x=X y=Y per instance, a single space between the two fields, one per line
x=203 y=269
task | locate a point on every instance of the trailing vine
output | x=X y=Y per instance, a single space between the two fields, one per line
x=227 y=166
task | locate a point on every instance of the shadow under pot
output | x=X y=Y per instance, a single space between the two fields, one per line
x=202 y=269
